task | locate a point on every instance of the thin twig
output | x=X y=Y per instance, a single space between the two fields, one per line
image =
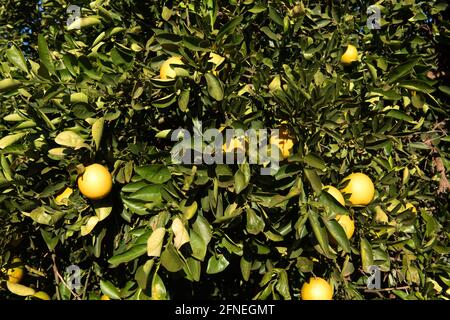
x=384 y=289
x=85 y=285
x=58 y=276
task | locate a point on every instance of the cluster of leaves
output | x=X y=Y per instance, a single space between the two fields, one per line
x=91 y=92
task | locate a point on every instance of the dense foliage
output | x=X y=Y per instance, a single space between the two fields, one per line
x=73 y=96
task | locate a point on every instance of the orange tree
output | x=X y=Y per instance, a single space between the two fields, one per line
x=91 y=92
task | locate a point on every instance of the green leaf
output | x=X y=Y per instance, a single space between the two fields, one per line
x=255 y=224
x=269 y=33
x=9 y=85
x=20 y=289
x=282 y=285
x=129 y=255
x=319 y=231
x=181 y=236
x=155 y=242
x=109 y=289
x=198 y=245
x=445 y=89
x=155 y=173
x=202 y=227
x=331 y=203
x=183 y=100
x=44 y=54
x=273 y=14
x=417 y=85
x=97 y=131
x=401 y=70
x=148 y=194
x=15 y=56
x=240 y=181
x=102 y=209
x=216 y=264
x=313 y=179
x=170 y=259
x=196 y=44
x=159 y=291
x=338 y=233
x=49 y=240
x=246 y=268
x=142 y=274
x=166 y=13
x=366 y=254
x=258 y=8
x=229 y=27
x=314 y=161
x=83 y=22
x=399 y=115
x=134 y=186
x=78 y=97
x=11 y=139
x=215 y=88
x=69 y=139
x=195 y=268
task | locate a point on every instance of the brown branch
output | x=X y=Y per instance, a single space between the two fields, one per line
x=58 y=276
x=387 y=289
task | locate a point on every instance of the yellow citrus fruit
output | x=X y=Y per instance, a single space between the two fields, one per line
x=105 y=297
x=42 y=295
x=166 y=71
x=317 y=289
x=95 y=182
x=360 y=187
x=347 y=224
x=15 y=274
x=350 y=55
x=335 y=193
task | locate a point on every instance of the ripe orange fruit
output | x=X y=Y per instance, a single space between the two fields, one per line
x=347 y=224
x=105 y=297
x=166 y=71
x=335 y=193
x=360 y=187
x=96 y=182
x=317 y=289
x=15 y=274
x=350 y=55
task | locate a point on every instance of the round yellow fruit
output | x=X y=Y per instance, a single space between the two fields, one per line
x=360 y=187
x=350 y=55
x=42 y=295
x=347 y=224
x=166 y=71
x=105 y=297
x=96 y=182
x=15 y=274
x=335 y=193
x=317 y=289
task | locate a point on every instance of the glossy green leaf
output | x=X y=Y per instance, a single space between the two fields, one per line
x=215 y=87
